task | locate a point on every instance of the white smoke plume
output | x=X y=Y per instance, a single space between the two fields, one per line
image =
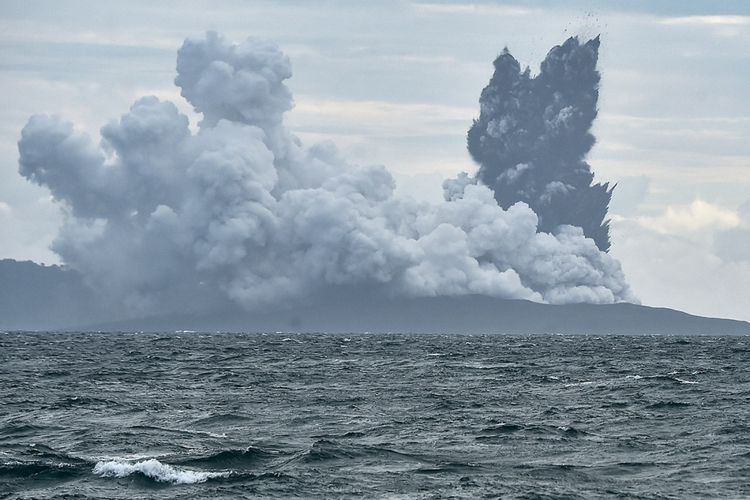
x=162 y=219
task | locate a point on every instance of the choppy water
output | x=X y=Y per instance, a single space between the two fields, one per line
x=243 y=416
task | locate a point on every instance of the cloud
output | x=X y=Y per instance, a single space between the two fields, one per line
x=727 y=26
x=26 y=231
x=532 y=137
x=163 y=218
x=693 y=257
x=723 y=20
x=472 y=8
x=733 y=244
x=381 y=118
x=697 y=216
x=23 y=31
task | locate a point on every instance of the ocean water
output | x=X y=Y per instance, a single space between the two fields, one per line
x=193 y=415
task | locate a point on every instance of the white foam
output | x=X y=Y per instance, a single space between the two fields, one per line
x=154 y=469
x=682 y=381
x=187 y=431
x=577 y=384
x=126 y=457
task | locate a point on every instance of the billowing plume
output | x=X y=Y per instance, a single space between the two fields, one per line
x=532 y=136
x=162 y=218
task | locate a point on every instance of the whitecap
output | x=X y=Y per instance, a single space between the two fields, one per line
x=577 y=384
x=185 y=431
x=156 y=470
x=126 y=457
x=685 y=381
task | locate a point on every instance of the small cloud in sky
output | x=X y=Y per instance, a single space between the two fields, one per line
x=724 y=26
x=462 y=8
x=5 y=208
x=420 y=59
x=707 y=20
x=696 y=216
x=20 y=31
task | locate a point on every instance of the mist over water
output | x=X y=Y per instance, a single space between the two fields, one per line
x=243 y=416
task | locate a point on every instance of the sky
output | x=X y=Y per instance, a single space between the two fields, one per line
x=397 y=83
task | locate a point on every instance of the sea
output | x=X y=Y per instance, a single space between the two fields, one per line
x=233 y=415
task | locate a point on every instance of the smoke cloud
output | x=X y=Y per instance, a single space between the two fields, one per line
x=159 y=218
x=532 y=136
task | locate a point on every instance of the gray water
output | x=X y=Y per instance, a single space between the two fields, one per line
x=191 y=415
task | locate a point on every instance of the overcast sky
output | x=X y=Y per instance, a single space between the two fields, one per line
x=397 y=83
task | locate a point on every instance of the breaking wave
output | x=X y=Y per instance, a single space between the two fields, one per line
x=153 y=469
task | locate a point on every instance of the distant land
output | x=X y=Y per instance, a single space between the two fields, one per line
x=36 y=297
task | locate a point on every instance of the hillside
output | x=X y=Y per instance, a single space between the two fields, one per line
x=34 y=297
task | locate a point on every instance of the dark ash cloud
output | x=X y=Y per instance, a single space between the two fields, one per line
x=533 y=134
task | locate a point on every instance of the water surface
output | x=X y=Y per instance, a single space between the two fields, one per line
x=187 y=415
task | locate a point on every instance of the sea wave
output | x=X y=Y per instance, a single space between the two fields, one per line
x=232 y=458
x=152 y=468
x=372 y=419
